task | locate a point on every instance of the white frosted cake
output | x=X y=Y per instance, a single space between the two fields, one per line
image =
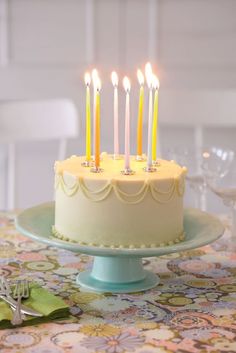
x=109 y=209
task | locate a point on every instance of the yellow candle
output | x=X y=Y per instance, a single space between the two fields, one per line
x=140 y=114
x=155 y=119
x=97 y=125
x=87 y=80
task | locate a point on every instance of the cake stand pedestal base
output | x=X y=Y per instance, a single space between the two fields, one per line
x=117 y=275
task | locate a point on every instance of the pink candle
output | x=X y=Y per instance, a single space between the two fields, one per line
x=126 y=84
x=114 y=79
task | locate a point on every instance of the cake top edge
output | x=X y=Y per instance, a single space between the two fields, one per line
x=112 y=169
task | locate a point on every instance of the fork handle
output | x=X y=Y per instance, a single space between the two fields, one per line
x=17 y=317
x=24 y=309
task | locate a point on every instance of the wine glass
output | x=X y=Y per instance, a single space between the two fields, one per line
x=219 y=170
x=192 y=160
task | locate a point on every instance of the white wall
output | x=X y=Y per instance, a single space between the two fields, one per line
x=46 y=46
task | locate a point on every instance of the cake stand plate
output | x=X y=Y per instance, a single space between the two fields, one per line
x=119 y=270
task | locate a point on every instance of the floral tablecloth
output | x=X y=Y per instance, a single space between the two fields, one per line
x=193 y=309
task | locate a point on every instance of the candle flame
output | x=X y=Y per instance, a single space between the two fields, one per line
x=94 y=77
x=206 y=154
x=98 y=84
x=148 y=74
x=155 y=82
x=114 y=78
x=148 y=69
x=87 y=79
x=140 y=77
x=126 y=84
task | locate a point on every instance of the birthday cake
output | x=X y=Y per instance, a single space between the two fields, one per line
x=109 y=209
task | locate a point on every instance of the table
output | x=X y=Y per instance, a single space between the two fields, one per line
x=193 y=309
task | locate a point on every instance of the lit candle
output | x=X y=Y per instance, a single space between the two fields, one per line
x=149 y=79
x=97 y=125
x=127 y=86
x=156 y=86
x=94 y=79
x=114 y=79
x=87 y=80
x=140 y=115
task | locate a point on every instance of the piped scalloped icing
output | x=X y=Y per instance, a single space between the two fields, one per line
x=109 y=209
x=72 y=177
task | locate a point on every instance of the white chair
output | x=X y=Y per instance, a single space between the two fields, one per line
x=34 y=121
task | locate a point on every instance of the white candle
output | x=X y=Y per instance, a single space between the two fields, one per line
x=87 y=80
x=148 y=74
x=114 y=79
x=94 y=79
x=97 y=125
x=126 y=84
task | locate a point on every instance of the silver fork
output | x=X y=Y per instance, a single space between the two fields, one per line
x=21 y=291
x=5 y=290
x=6 y=295
x=4 y=286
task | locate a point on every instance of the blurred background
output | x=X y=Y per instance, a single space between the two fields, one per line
x=47 y=45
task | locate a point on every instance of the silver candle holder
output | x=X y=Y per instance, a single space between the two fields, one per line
x=127 y=171
x=87 y=164
x=96 y=170
x=150 y=169
x=156 y=163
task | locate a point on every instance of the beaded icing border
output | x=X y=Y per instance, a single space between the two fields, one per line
x=60 y=236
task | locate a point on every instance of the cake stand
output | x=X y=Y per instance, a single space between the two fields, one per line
x=119 y=270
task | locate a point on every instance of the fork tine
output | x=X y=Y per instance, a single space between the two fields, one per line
x=21 y=289
x=16 y=290
x=26 y=289
x=5 y=286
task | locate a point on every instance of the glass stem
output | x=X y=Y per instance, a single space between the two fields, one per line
x=200 y=200
x=233 y=214
x=203 y=199
x=197 y=201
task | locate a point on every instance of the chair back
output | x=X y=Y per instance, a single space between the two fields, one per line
x=38 y=120
x=27 y=121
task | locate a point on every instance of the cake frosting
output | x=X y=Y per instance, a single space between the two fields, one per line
x=109 y=209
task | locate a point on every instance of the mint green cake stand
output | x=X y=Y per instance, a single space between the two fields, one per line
x=119 y=270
